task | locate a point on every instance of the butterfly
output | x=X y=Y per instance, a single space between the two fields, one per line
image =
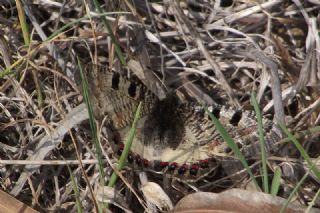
x=172 y=136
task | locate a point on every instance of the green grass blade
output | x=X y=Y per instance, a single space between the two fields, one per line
x=262 y=143
x=92 y=123
x=109 y=29
x=275 y=185
x=72 y=24
x=23 y=23
x=305 y=133
x=303 y=153
x=311 y=165
x=313 y=202
x=294 y=191
x=76 y=191
x=226 y=137
x=124 y=156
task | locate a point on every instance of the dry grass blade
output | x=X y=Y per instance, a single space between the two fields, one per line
x=49 y=142
x=190 y=29
x=276 y=89
x=213 y=52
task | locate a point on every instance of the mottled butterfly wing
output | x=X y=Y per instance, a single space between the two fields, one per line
x=116 y=97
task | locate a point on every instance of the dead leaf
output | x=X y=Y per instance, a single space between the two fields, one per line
x=235 y=200
x=155 y=194
x=9 y=204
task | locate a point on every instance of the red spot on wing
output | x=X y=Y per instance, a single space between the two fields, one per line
x=173 y=166
x=120 y=149
x=194 y=169
x=163 y=164
x=204 y=163
x=146 y=163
